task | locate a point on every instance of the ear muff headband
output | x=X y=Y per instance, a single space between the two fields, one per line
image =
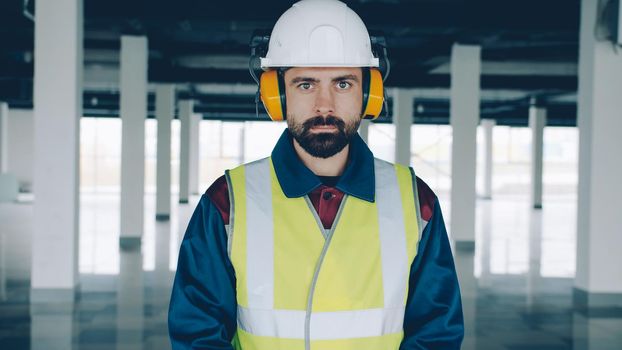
x=272 y=94
x=373 y=93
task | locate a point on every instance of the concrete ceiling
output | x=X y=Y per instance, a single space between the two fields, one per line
x=529 y=48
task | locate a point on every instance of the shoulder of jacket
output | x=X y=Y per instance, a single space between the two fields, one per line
x=427 y=199
x=218 y=194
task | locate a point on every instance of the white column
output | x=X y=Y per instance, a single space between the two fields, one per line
x=193 y=153
x=4 y=137
x=165 y=108
x=464 y=115
x=402 y=119
x=57 y=112
x=537 y=121
x=364 y=130
x=488 y=125
x=185 y=114
x=133 y=109
x=598 y=280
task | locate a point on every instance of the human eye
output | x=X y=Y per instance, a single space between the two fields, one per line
x=304 y=86
x=343 y=84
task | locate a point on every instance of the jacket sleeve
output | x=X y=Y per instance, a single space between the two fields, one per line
x=433 y=316
x=202 y=311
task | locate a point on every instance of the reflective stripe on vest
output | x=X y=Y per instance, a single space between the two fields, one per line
x=297 y=289
x=326 y=325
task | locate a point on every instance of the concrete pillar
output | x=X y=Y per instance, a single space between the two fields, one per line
x=537 y=121
x=598 y=281
x=364 y=130
x=165 y=108
x=488 y=125
x=133 y=109
x=57 y=111
x=402 y=119
x=193 y=153
x=464 y=115
x=185 y=114
x=4 y=137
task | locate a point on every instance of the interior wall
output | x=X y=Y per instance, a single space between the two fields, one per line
x=21 y=146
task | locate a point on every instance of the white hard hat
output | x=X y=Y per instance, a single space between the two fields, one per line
x=319 y=33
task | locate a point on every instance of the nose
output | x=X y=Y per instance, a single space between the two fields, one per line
x=324 y=103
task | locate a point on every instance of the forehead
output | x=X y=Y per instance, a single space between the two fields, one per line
x=322 y=73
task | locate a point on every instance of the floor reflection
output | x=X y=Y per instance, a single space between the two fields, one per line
x=534 y=255
x=3 y=277
x=516 y=285
x=52 y=327
x=130 y=301
x=603 y=333
x=468 y=288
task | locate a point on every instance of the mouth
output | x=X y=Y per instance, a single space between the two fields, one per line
x=322 y=128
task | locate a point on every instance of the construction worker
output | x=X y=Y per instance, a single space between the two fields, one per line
x=319 y=246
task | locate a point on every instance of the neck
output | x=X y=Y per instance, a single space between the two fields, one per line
x=332 y=166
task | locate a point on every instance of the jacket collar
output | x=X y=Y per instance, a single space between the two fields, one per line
x=297 y=180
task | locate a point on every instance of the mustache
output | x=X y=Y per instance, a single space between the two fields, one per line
x=324 y=121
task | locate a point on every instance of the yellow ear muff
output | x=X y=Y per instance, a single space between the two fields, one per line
x=272 y=93
x=373 y=93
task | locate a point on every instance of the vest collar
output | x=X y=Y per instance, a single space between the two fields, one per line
x=297 y=180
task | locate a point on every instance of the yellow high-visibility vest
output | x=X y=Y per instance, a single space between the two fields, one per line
x=302 y=287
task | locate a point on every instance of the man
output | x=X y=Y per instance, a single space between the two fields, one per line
x=319 y=246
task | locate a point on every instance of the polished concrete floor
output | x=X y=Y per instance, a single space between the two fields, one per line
x=516 y=285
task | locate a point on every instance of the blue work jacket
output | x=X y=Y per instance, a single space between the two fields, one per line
x=203 y=308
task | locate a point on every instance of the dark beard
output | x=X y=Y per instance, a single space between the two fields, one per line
x=326 y=144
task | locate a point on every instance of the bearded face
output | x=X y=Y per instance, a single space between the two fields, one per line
x=332 y=136
x=323 y=107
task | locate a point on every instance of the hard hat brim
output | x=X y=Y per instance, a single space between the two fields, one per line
x=266 y=63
